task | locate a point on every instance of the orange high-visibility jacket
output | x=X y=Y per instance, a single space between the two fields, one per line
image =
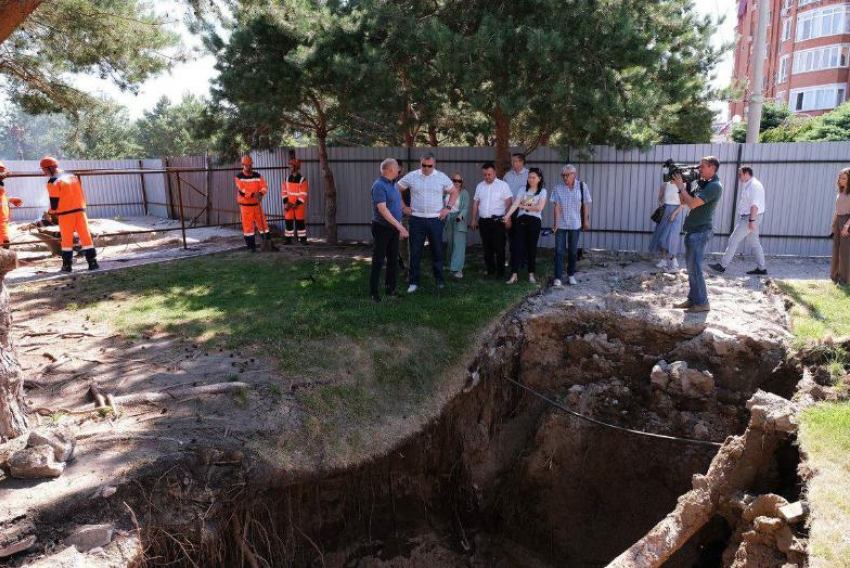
x=4 y=208
x=248 y=187
x=294 y=190
x=66 y=194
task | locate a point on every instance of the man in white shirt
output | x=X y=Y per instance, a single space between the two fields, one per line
x=492 y=200
x=750 y=212
x=517 y=179
x=427 y=212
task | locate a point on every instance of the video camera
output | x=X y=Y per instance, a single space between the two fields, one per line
x=689 y=173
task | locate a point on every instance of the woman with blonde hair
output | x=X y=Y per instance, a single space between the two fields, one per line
x=840 y=268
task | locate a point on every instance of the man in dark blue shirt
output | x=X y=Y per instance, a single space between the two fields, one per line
x=698 y=229
x=386 y=229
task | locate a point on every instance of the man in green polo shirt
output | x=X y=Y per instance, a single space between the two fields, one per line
x=698 y=229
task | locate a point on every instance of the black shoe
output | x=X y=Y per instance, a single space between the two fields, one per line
x=717 y=267
x=376 y=298
x=67 y=260
x=287 y=241
x=65 y=268
x=303 y=241
x=93 y=265
x=758 y=271
x=91 y=257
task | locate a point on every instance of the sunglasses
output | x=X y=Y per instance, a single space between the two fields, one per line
x=457 y=181
x=427 y=165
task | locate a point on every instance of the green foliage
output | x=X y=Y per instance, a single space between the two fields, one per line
x=105 y=131
x=120 y=40
x=773 y=115
x=830 y=127
x=102 y=132
x=171 y=129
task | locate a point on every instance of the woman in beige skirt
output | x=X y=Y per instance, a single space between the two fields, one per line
x=840 y=268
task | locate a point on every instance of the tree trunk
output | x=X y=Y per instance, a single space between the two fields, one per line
x=13 y=13
x=503 y=134
x=330 y=187
x=13 y=419
x=432 y=136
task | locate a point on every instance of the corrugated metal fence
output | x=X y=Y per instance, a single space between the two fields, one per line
x=799 y=178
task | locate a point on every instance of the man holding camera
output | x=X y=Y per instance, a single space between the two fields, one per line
x=698 y=229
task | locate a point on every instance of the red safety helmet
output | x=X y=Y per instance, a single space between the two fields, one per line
x=247 y=161
x=293 y=163
x=49 y=162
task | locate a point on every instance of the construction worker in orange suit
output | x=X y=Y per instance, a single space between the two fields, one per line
x=68 y=203
x=295 y=204
x=4 y=207
x=250 y=190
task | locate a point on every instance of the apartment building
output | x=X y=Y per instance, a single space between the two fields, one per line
x=806 y=57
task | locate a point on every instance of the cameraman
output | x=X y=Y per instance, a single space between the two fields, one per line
x=698 y=229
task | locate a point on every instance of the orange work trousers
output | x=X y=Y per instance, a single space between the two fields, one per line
x=71 y=223
x=297 y=213
x=253 y=215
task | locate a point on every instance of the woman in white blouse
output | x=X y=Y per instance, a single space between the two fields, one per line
x=668 y=233
x=530 y=202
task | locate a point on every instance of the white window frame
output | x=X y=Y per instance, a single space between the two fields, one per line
x=782 y=75
x=823 y=22
x=819 y=97
x=786 y=29
x=834 y=56
x=802 y=3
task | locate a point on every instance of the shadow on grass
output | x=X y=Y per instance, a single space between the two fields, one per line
x=314 y=317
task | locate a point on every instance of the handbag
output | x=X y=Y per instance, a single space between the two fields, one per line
x=658 y=214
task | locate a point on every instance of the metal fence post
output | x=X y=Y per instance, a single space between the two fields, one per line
x=144 y=189
x=735 y=190
x=182 y=218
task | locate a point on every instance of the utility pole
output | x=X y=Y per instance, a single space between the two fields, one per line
x=757 y=86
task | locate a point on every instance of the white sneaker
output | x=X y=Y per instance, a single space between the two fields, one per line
x=572 y=280
x=674 y=264
x=557 y=283
x=662 y=264
x=412 y=288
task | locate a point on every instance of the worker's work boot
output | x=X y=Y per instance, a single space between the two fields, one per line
x=91 y=257
x=287 y=241
x=303 y=241
x=251 y=243
x=67 y=260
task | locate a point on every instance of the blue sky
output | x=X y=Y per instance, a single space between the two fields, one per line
x=194 y=77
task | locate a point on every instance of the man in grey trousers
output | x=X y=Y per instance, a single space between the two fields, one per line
x=750 y=213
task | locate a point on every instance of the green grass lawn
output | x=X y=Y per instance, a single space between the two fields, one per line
x=821 y=309
x=316 y=319
x=825 y=437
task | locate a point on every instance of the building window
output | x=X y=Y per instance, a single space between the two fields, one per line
x=786 y=29
x=824 y=97
x=829 y=57
x=806 y=2
x=783 y=70
x=823 y=22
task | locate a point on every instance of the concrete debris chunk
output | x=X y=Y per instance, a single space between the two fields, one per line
x=660 y=376
x=35 y=463
x=62 y=443
x=16 y=537
x=68 y=558
x=772 y=413
x=697 y=384
x=793 y=513
x=88 y=537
